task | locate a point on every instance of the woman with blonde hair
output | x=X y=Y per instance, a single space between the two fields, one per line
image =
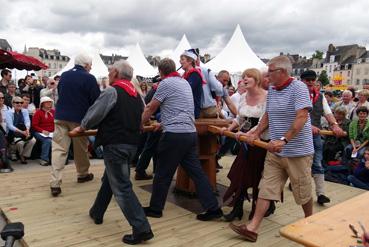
x=363 y=96
x=247 y=168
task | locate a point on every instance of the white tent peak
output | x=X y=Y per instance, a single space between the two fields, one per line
x=139 y=63
x=181 y=47
x=99 y=69
x=236 y=55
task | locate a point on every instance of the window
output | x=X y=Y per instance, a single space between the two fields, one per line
x=357 y=81
x=54 y=65
x=49 y=73
x=331 y=59
x=60 y=66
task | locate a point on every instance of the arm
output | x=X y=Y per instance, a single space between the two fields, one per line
x=263 y=125
x=36 y=122
x=231 y=105
x=150 y=109
x=299 y=122
x=27 y=121
x=98 y=111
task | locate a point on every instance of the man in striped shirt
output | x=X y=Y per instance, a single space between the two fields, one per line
x=290 y=150
x=178 y=143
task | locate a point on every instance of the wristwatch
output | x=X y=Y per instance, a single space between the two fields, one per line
x=284 y=139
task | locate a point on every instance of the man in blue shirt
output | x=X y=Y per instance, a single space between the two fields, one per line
x=77 y=91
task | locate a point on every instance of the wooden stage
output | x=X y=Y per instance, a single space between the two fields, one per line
x=64 y=221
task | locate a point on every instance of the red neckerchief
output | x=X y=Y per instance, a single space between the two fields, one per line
x=172 y=74
x=284 y=84
x=127 y=86
x=314 y=95
x=187 y=74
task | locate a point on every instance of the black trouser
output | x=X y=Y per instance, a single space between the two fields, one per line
x=175 y=149
x=148 y=152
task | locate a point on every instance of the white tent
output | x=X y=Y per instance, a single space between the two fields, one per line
x=99 y=69
x=236 y=56
x=140 y=64
x=183 y=45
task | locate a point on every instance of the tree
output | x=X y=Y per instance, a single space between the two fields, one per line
x=318 y=54
x=323 y=78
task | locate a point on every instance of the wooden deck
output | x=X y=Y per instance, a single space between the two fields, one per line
x=64 y=221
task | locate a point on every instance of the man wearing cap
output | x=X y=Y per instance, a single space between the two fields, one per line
x=320 y=108
x=178 y=143
x=77 y=90
x=43 y=128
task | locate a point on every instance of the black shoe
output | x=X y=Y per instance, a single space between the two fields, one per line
x=210 y=215
x=290 y=186
x=152 y=213
x=137 y=238
x=96 y=220
x=142 y=176
x=85 y=178
x=55 y=191
x=237 y=211
x=270 y=210
x=323 y=199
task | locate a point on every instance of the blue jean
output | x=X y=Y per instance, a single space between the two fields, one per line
x=317 y=167
x=357 y=182
x=45 y=146
x=116 y=181
x=175 y=149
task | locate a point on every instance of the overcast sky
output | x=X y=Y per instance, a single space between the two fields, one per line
x=299 y=26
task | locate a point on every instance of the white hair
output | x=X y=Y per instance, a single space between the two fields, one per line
x=82 y=59
x=125 y=70
x=282 y=62
x=347 y=92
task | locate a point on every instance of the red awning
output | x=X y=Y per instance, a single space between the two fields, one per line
x=14 y=60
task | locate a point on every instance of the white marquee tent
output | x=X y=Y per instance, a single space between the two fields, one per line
x=99 y=69
x=236 y=56
x=182 y=45
x=140 y=64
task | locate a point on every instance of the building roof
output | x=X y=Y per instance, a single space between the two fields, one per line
x=4 y=44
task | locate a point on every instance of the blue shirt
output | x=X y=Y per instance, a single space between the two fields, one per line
x=211 y=85
x=177 y=105
x=10 y=119
x=281 y=108
x=77 y=90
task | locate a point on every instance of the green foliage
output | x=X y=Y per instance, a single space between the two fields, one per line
x=323 y=78
x=318 y=54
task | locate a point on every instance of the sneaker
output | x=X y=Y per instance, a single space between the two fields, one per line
x=55 y=191
x=44 y=163
x=323 y=199
x=210 y=215
x=85 y=178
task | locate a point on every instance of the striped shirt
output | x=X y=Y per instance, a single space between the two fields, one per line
x=177 y=105
x=281 y=108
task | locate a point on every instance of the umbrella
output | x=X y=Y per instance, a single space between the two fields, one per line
x=11 y=60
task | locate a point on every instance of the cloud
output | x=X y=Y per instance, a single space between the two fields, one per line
x=114 y=26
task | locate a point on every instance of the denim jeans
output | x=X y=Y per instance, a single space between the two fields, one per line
x=148 y=152
x=357 y=182
x=116 y=181
x=317 y=167
x=175 y=149
x=45 y=146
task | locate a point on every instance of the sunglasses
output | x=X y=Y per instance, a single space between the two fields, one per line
x=2 y=97
x=18 y=103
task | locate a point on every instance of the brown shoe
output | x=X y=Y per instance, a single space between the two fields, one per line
x=244 y=232
x=85 y=178
x=143 y=176
x=55 y=191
